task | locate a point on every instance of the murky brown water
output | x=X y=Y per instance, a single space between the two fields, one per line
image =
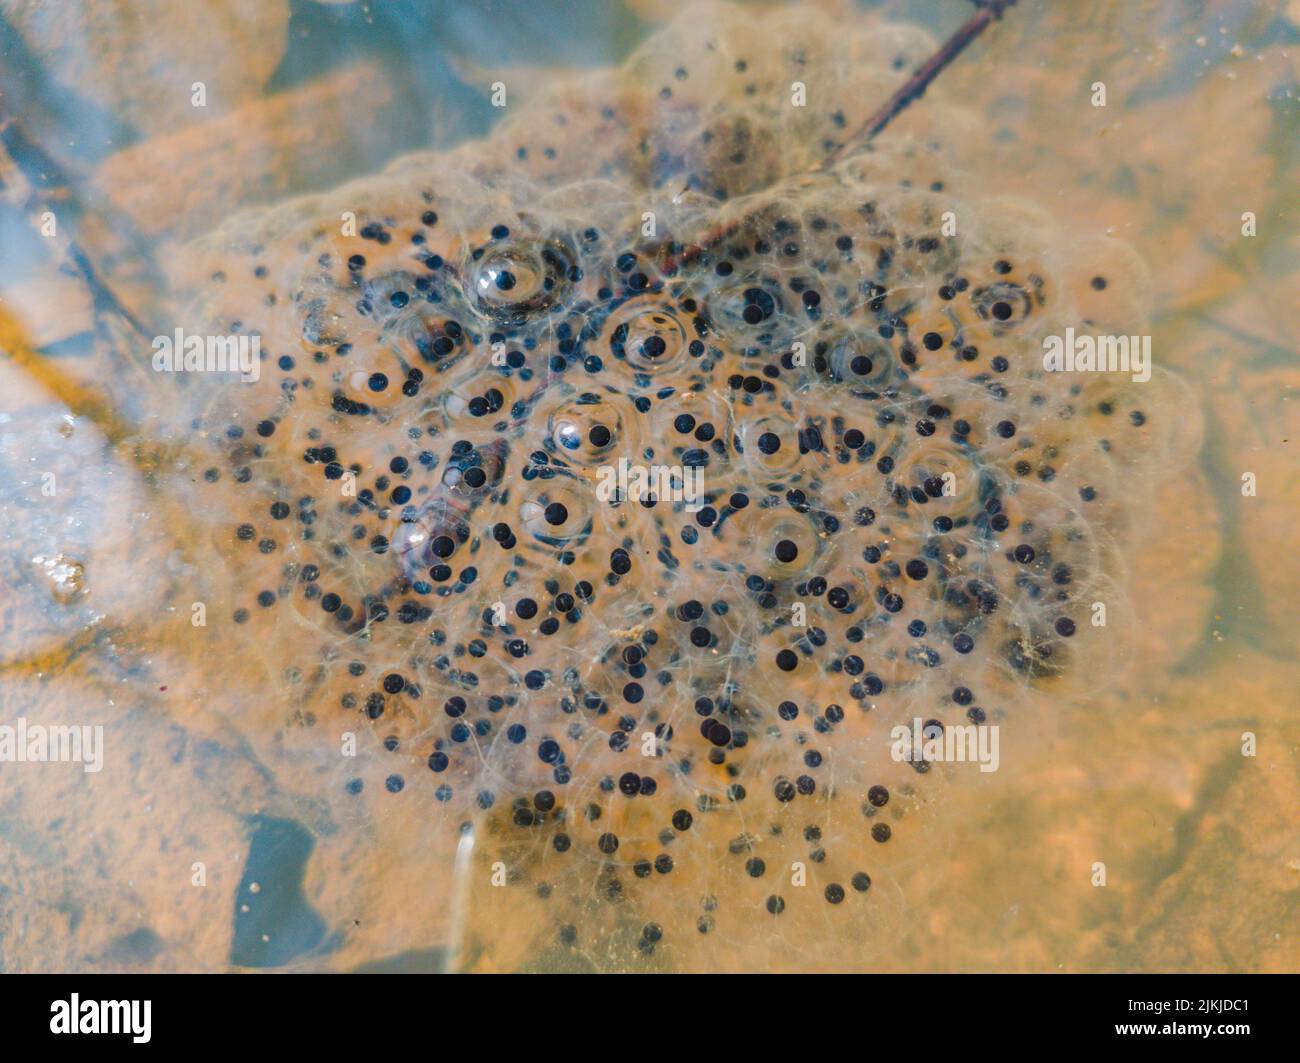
x=267 y=801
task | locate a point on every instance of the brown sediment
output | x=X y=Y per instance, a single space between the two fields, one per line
x=138 y=59
x=76 y=396
x=182 y=183
x=52 y=306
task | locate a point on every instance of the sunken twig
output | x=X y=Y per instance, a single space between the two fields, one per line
x=913 y=89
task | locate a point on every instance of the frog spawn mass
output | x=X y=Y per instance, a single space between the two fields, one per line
x=646 y=710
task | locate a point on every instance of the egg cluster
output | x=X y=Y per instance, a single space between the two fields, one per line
x=648 y=709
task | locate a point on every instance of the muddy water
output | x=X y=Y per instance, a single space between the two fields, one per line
x=268 y=801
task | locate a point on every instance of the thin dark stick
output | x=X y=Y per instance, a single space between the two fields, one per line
x=44 y=175
x=920 y=81
x=913 y=89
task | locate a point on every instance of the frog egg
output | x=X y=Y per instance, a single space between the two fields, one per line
x=751 y=314
x=773 y=445
x=1049 y=550
x=483 y=399
x=948 y=477
x=767 y=542
x=471 y=473
x=385 y=296
x=376 y=385
x=696 y=415
x=649 y=335
x=863 y=363
x=1004 y=306
x=557 y=514
x=586 y=428
x=431 y=336
x=512 y=279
